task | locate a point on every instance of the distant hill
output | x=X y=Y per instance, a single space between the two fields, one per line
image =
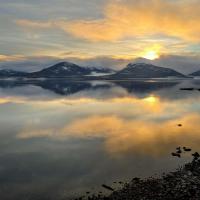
x=67 y=69
x=11 y=73
x=60 y=70
x=143 y=70
x=197 y=73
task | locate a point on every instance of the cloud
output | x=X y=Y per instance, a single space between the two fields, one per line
x=35 y=63
x=34 y=24
x=137 y=18
x=185 y=64
x=131 y=18
x=27 y=63
x=6 y=58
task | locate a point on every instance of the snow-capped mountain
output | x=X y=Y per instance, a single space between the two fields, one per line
x=61 y=69
x=66 y=69
x=143 y=70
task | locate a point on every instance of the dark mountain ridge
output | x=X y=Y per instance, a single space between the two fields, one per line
x=11 y=73
x=143 y=70
x=197 y=73
x=67 y=69
x=71 y=70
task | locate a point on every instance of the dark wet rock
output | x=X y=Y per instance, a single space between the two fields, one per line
x=189 y=89
x=136 y=180
x=176 y=154
x=195 y=155
x=187 y=149
x=179 y=151
x=107 y=187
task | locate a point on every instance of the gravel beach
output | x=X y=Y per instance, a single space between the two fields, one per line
x=182 y=184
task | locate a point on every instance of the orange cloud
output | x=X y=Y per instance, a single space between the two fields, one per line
x=131 y=18
x=34 y=24
x=12 y=57
x=142 y=18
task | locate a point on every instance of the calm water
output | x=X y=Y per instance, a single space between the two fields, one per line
x=59 y=139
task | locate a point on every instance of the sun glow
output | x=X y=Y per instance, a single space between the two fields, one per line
x=151 y=55
x=151 y=99
x=152 y=52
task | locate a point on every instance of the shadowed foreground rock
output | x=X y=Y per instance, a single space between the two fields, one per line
x=183 y=184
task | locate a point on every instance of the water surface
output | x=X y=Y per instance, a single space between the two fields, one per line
x=60 y=139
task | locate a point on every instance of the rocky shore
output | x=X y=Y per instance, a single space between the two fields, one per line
x=182 y=184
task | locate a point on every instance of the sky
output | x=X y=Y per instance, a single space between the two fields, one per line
x=112 y=33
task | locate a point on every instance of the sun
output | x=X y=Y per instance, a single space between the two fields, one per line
x=151 y=99
x=151 y=55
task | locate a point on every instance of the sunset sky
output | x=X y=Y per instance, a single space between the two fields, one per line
x=102 y=32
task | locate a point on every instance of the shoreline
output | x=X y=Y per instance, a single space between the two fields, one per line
x=181 y=184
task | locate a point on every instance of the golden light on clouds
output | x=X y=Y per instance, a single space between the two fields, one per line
x=137 y=18
x=11 y=57
x=152 y=52
x=141 y=18
x=151 y=55
x=152 y=99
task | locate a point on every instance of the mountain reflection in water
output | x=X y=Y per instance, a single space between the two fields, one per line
x=59 y=138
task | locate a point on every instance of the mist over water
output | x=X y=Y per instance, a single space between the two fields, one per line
x=60 y=139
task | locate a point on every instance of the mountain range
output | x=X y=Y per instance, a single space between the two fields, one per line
x=71 y=70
